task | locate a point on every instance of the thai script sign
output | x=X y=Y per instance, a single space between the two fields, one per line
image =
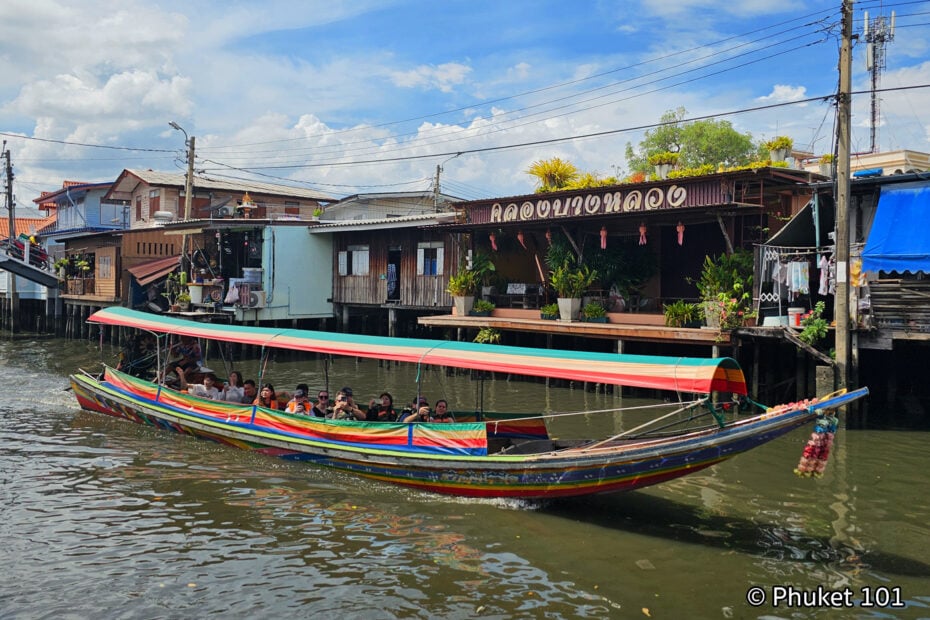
x=582 y=204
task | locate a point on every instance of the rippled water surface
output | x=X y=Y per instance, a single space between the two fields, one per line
x=101 y=518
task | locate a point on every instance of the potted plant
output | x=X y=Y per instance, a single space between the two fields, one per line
x=462 y=287
x=172 y=291
x=549 y=312
x=61 y=266
x=826 y=164
x=485 y=272
x=570 y=283
x=183 y=300
x=724 y=278
x=779 y=147
x=681 y=314
x=594 y=312
x=663 y=162
x=482 y=307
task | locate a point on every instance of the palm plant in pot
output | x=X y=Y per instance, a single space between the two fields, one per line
x=462 y=286
x=570 y=283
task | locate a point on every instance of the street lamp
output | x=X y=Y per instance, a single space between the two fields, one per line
x=189 y=177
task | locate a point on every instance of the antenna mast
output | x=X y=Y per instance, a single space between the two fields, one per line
x=877 y=33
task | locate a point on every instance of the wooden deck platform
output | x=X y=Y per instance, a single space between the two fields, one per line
x=634 y=327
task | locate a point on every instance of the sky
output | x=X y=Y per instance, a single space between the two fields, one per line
x=363 y=96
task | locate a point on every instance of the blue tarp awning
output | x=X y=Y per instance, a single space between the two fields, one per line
x=900 y=237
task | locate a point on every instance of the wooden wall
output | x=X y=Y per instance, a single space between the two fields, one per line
x=415 y=290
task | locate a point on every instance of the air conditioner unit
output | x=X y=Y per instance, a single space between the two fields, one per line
x=224 y=211
x=256 y=300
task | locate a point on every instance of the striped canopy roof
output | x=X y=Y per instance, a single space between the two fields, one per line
x=681 y=374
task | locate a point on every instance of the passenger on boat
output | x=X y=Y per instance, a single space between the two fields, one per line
x=300 y=403
x=421 y=415
x=249 y=392
x=345 y=408
x=191 y=355
x=442 y=413
x=321 y=407
x=233 y=391
x=381 y=409
x=207 y=389
x=266 y=398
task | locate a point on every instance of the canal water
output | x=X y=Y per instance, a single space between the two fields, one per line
x=101 y=518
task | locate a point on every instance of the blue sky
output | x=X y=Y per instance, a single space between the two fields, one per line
x=370 y=95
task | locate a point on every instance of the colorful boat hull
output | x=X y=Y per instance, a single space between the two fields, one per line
x=442 y=458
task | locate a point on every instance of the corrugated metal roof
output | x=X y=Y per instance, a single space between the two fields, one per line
x=408 y=221
x=153 y=177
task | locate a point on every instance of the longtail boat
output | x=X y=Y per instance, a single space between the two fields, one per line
x=470 y=459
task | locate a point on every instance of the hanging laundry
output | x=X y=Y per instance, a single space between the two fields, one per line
x=824 y=265
x=798 y=278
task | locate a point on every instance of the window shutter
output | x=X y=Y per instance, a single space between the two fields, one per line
x=420 y=258
x=343 y=263
x=440 y=259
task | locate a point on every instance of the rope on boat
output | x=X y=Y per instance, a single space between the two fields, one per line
x=683 y=406
x=642 y=426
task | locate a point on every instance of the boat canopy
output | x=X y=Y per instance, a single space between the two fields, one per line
x=679 y=374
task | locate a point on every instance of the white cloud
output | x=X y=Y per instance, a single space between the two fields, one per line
x=782 y=93
x=442 y=77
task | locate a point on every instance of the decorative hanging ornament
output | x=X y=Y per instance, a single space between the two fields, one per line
x=520 y=239
x=493 y=239
x=548 y=236
x=603 y=237
x=681 y=232
x=642 y=233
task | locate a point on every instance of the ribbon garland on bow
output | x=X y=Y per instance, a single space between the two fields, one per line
x=814 y=459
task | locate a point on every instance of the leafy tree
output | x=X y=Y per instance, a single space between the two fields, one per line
x=698 y=143
x=552 y=174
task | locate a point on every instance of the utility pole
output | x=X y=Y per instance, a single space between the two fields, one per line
x=8 y=167
x=436 y=189
x=842 y=199
x=10 y=205
x=189 y=178
x=189 y=181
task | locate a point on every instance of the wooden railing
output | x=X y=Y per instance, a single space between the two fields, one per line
x=901 y=304
x=81 y=286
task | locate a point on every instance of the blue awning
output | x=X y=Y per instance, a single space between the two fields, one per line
x=900 y=237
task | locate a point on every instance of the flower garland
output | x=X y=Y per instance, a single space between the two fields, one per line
x=817 y=451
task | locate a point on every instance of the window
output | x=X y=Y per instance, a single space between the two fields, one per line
x=292 y=207
x=104 y=266
x=354 y=261
x=430 y=257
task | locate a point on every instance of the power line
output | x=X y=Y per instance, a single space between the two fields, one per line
x=770 y=106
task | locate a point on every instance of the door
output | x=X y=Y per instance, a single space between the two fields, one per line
x=393 y=274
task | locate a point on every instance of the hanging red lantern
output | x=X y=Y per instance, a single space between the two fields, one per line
x=642 y=233
x=681 y=232
x=548 y=236
x=493 y=239
x=603 y=237
x=520 y=238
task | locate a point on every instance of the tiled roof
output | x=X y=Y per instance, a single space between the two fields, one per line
x=27 y=225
